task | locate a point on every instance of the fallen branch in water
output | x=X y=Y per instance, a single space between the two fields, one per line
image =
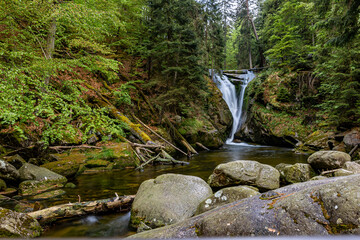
x=71 y=147
x=70 y=210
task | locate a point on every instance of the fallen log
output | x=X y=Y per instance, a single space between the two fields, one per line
x=71 y=210
x=71 y=147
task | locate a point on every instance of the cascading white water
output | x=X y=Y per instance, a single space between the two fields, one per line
x=233 y=99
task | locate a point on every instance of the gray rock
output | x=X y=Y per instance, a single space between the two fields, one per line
x=245 y=172
x=323 y=207
x=352 y=166
x=342 y=172
x=225 y=196
x=299 y=172
x=328 y=160
x=31 y=172
x=352 y=139
x=2 y=185
x=8 y=171
x=18 y=225
x=168 y=199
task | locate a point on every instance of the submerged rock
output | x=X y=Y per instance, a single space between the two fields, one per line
x=328 y=160
x=8 y=171
x=168 y=199
x=225 y=196
x=48 y=195
x=18 y=225
x=323 y=207
x=245 y=172
x=33 y=187
x=299 y=172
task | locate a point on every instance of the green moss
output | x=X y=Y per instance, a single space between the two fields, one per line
x=96 y=163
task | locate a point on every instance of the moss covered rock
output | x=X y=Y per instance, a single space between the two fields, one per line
x=168 y=199
x=2 y=185
x=17 y=161
x=299 y=172
x=67 y=167
x=225 y=196
x=245 y=172
x=48 y=195
x=96 y=163
x=328 y=160
x=33 y=187
x=18 y=225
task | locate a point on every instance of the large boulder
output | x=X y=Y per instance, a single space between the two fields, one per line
x=17 y=161
x=31 y=172
x=328 y=160
x=168 y=199
x=323 y=207
x=245 y=172
x=18 y=225
x=8 y=171
x=299 y=172
x=67 y=167
x=225 y=196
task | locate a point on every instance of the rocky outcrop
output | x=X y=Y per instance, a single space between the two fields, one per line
x=8 y=171
x=245 y=172
x=225 y=196
x=323 y=207
x=299 y=172
x=18 y=225
x=328 y=160
x=168 y=199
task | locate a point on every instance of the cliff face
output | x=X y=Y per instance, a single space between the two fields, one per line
x=281 y=110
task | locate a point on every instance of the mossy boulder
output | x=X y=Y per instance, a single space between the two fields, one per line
x=96 y=163
x=33 y=187
x=168 y=199
x=316 y=141
x=299 y=172
x=67 y=168
x=48 y=195
x=328 y=160
x=18 y=225
x=245 y=172
x=2 y=185
x=225 y=196
x=323 y=207
x=8 y=172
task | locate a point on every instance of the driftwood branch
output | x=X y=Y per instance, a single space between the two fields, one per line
x=158 y=135
x=70 y=210
x=202 y=146
x=71 y=147
x=354 y=150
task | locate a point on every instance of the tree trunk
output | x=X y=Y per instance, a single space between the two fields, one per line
x=70 y=210
x=50 y=45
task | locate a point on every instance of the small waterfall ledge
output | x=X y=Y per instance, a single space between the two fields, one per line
x=233 y=98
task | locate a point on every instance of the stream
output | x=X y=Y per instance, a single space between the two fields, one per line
x=125 y=182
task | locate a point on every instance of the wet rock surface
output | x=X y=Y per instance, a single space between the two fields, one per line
x=168 y=199
x=31 y=172
x=245 y=172
x=321 y=207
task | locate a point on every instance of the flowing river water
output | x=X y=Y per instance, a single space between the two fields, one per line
x=126 y=182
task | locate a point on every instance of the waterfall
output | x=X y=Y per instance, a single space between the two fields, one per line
x=233 y=98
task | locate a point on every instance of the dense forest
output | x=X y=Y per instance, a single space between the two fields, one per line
x=58 y=58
